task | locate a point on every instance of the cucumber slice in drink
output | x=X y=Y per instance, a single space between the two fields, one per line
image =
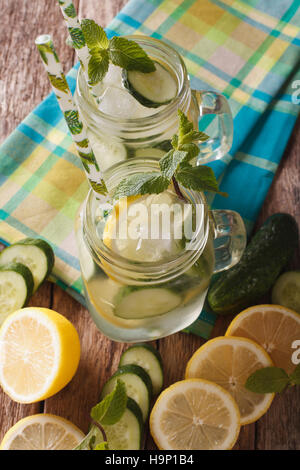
x=36 y=254
x=152 y=89
x=148 y=358
x=134 y=303
x=286 y=290
x=16 y=287
x=138 y=386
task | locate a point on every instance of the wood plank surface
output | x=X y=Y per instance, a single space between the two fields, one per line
x=22 y=86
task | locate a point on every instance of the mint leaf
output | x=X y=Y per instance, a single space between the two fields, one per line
x=88 y=441
x=191 y=149
x=174 y=165
x=174 y=141
x=169 y=162
x=198 y=178
x=185 y=127
x=98 y=65
x=199 y=136
x=186 y=132
x=295 y=376
x=267 y=380
x=129 y=55
x=141 y=183
x=110 y=410
x=94 y=35
x=101 y=446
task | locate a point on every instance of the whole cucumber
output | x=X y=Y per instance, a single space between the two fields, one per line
x=263 y=260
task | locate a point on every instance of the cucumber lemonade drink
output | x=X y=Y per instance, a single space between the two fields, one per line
x=131 y=114
x=147 y=261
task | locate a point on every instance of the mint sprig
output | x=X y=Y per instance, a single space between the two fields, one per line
x=129 y=55
x=272 y=380
x=175 y=166
x=122 y=52
x=108 y=412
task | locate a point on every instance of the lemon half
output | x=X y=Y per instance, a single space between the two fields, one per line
x=39 y=350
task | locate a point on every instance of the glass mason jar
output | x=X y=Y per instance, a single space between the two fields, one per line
x=115 y=139
x=132 y=301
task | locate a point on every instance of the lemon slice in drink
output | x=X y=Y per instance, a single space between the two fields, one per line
x=145 y=227
x=39 y=351
x=42 y=432
x=229 y=362
x=274 y=327
x=195 y=414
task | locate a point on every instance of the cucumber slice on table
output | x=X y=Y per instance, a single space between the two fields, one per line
x=152 y=89
x=36 y=254
x=16 y=287
x=148 y=358
x=127 y=433
x=286 y=291
x=138 y=386
x=138 y=302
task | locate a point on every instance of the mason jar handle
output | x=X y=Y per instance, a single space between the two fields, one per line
x=229 y=238
x=220 y=139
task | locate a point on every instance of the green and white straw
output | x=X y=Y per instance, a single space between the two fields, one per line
x=65 y=100
x=73 y=24
x=70 y=16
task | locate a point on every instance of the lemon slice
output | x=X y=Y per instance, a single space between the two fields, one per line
x=229 y=362
x=195 y=415
x=42 y=432
x=145 y=227
x=39 y=352
x=274 y=327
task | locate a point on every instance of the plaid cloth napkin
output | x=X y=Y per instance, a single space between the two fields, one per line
x=247 y=50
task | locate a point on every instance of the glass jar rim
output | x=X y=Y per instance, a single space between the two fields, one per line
x=168 y=111
x=154 y=270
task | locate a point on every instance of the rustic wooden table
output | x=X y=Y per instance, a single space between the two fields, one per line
x=23 y=85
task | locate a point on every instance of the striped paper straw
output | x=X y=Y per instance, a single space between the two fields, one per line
x=71 y=18
x=65 y=100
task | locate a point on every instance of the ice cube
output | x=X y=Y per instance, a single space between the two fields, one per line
x=117 y=103
x=113 y=76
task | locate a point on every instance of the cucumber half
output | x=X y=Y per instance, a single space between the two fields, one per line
x=152 y=89
x=148 y=358
x=36 y=254
x=16 y=287
x=138 y=386
x=139 y=302
x=286 y=291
